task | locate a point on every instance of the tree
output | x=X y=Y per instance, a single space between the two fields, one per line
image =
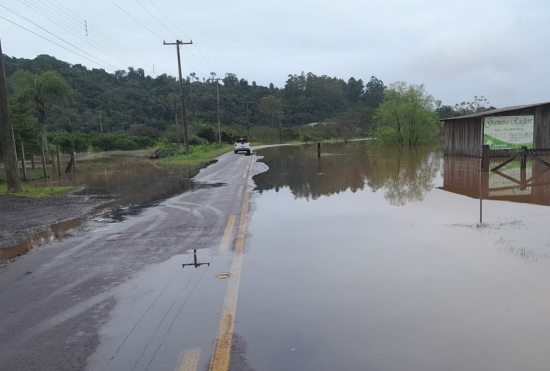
x=43 y=91
x=406 y=115
x=354 y=89
x=6 y=135
x=479 y=104
x=271 y=107
x=374 y=92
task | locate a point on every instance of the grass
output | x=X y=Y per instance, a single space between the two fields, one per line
x=33 y=191
x=32 y=174
x=198 y=156
x=37 y=191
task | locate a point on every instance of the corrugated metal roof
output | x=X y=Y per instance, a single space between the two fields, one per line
x=491 y=112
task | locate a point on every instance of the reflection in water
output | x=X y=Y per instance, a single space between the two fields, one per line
x=404 y=175
x=195 y=263
x=131 y=182
x=462 y=175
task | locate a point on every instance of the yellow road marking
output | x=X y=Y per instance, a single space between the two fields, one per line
x=222 y=352
x=251 y=167
x=239 y=192
x=224 y=245
x=245 y=174
x=189 y=359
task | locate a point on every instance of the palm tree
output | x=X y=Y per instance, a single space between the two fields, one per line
x=43 y=91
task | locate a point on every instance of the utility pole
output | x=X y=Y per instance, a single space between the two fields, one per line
x=6 y=135
x=218 y=105
x=100 y=123
x=247 y=118
x=182 y=102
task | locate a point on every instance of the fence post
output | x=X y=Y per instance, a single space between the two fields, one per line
x=319 y=150
x=58 y=162
x=23 y=164
x=485 y=158
x=73 y=155
x=524 y=158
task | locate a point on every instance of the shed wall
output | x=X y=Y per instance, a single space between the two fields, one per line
x=463 y=137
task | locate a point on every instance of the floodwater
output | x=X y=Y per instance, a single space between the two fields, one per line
x=130 y=180
x=375 y=259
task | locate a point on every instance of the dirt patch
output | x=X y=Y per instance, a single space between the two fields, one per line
x=28 y=222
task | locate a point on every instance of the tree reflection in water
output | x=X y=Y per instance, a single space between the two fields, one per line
x=403 y=175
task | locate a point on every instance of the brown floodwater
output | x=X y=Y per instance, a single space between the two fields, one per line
x=375 y=259
x=131 y=181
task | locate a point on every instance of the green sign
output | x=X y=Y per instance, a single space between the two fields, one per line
x=508 y=132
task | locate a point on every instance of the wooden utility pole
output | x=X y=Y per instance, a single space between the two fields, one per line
x=182 y=101
x=6 y=135
x=247 y=118
x=218 y=107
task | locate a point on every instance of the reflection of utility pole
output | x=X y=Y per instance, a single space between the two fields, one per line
x=195 y=263
x=247 y=118
x=183 y=113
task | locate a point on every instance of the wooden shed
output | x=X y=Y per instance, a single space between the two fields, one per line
x=464 y=134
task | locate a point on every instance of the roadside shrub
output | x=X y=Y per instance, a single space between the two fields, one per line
x=207 y=133
x=165 y=148
x=196 y=141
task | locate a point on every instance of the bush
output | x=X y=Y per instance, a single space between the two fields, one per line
x=207 y=133
x=164 y=148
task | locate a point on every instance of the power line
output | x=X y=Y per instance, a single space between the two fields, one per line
x=168 y=19
x=105 y=39
x=156 y=18
x=53 y=42
x=53 y=17
x=51 y=33
x=205 y=60
x=136 y=20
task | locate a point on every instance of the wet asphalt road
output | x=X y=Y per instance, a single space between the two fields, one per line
x=114 y=296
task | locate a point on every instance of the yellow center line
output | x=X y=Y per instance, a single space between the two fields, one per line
x=239 y=192
x=189 y=360
x=222 y=351
x=245 y=174
x=224 y=245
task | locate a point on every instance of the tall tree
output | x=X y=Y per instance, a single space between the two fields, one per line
x=43 y=91
x=6 y=135
x=374 y=92
x=407 y=115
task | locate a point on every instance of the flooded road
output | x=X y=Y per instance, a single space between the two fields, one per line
x=372 y=259
x=367 y=259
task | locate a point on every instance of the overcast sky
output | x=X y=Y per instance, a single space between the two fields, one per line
x=457 y=49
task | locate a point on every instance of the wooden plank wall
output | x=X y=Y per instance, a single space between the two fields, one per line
x=542 y=127
x=463 y=137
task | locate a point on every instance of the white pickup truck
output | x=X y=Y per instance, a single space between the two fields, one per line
x=242 y=145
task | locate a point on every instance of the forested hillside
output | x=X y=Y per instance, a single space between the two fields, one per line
x=129 y=101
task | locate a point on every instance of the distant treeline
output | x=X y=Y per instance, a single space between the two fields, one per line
x=129 y=100
x=135 y=105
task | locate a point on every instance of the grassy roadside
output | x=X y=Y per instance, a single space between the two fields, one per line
x=37 y=191
x=198 y=156
x=33 y=191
